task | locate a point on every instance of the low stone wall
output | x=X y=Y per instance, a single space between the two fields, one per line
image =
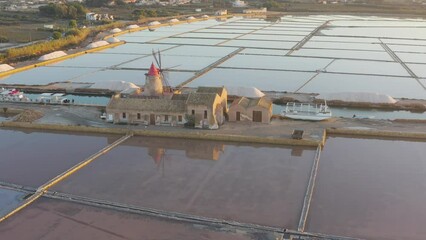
x=190 y=134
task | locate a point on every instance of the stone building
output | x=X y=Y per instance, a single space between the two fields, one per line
x=206 y=107
x=250 y=109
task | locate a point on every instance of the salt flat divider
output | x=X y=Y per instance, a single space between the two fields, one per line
x=160 y=213
x=309 y=191
x=300 y=44
x=208 y=68
x=402 y=63
x=42 y=189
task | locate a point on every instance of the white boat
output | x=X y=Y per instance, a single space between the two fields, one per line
x=307 y=111
x=12 y=95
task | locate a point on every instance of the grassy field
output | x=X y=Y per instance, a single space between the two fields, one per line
x=24 y=33
x=22 y=27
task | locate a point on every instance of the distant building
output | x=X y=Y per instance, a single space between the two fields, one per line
x=239 y=3
x=206 y=107
x=250 y=109
x=98 y=17
x=255 y=11
x=221 y=12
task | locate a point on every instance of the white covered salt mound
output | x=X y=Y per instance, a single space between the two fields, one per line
x=154 y=23
x=174 y=20
x=113 y=40
x=115 y=30
x=114 y=85
x=52 y=55
x=97 y=44
x=205 y=16
x=190 y=18
x=358 y=97
x=250 y=92
x=5 y=67
x=133 y=26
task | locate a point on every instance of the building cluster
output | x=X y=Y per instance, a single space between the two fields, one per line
x=98 y=17
x=161 y=2
x=255 y=11
x=207 y=107
x=22 y=5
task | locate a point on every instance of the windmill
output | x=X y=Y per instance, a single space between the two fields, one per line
x=163 y=72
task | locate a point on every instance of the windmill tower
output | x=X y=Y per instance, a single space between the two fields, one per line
x=153 y=82
x=156 y=83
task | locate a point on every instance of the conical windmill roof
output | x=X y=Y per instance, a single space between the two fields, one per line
x=153 y=71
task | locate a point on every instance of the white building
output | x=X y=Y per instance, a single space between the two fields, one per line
x=239 y=3
x=221 y=12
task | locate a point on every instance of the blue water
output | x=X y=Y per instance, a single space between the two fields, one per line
x=366 y=113
x=78 y=99
x=9 y=199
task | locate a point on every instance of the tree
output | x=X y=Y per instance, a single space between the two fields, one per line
x=271 y=4
x=97 y=3
x=72 y=24
x=56 y=35
x=60 y=10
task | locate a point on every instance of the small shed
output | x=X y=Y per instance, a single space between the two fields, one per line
x=250 y=109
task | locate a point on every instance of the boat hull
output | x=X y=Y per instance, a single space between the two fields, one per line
x=307 y=118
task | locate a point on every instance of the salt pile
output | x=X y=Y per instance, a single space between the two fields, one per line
x=358 y=97
x=114 y=85
x=174 y=20
x=115 y=30
x=133 y=26
x=190 y=18
x=5 y=67
x=97 y=44
x=250 y=92
x=113 y=40
x=154 y=23
x=52 y=55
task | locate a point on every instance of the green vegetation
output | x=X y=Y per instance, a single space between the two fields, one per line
x=149 y=13
x=98 y=3
x=4 y=39
x=56 y=35
x=272 y=5
x=72 y=24
x=190 y=121
x=68 y=11
x=38 y=49
x=73 y=37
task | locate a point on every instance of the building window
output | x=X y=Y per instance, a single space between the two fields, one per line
x=205 y=114
x=139 y=116
x=193 y=112
x=180 y=118
x=166 y=118
x=124 y=115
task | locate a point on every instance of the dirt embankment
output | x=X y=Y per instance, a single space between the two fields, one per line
x=28 y=115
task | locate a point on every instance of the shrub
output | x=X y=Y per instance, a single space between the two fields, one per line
x=72 y=24
x=73 y=32
x=4 y=39
x=56 y=35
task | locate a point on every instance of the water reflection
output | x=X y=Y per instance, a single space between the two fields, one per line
x=251 y=183
x=158 y=147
